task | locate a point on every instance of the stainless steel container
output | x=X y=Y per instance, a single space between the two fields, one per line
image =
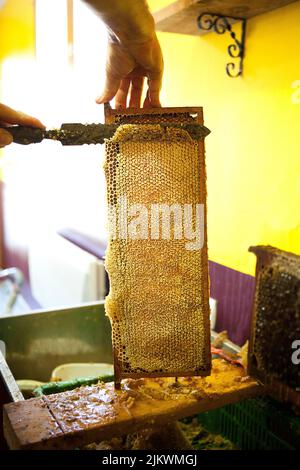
x=37 y=342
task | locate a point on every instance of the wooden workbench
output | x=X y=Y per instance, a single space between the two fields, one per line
x=99 y=412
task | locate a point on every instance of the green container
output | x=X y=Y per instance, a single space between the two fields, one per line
x=257 y=423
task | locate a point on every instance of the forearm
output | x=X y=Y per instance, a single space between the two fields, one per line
x=128 y=20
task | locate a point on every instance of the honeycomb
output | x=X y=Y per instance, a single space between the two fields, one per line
x=183 y=117
x=276 y=323
x=158 y=299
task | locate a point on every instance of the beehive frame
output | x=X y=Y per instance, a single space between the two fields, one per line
x=277 y=300
x=175 y=115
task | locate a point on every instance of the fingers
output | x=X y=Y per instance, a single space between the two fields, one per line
x=147 y=103
x=11 y=116
x=5 y=138
x=131 y=64
x=121 y=96
x=152 y=97
x=136 y=92
x=149 y=56
x=155 y=74
x=118 y=65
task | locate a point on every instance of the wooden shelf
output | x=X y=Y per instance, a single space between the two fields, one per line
x=181 y=16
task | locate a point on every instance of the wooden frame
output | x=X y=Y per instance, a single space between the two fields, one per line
x=268 y=256
x=195 y=114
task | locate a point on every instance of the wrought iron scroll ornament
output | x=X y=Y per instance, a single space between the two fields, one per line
x=221 y=24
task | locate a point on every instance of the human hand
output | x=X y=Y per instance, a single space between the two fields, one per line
x=133 y=53
x=126 y=69
x=10 y=116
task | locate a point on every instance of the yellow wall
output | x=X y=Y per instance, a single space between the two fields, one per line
x=16 y=28
x=253 y=158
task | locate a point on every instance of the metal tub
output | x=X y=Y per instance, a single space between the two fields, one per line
x=37 y=342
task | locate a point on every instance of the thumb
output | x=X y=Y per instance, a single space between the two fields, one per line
x=5 y=138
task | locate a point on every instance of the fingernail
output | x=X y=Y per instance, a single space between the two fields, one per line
x=5 y=139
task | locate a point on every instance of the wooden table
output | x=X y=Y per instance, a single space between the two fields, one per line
x=99 y=412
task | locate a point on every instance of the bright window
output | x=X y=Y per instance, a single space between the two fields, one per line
x=60 y=186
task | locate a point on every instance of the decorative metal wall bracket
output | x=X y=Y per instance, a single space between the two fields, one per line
x=221 y=24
